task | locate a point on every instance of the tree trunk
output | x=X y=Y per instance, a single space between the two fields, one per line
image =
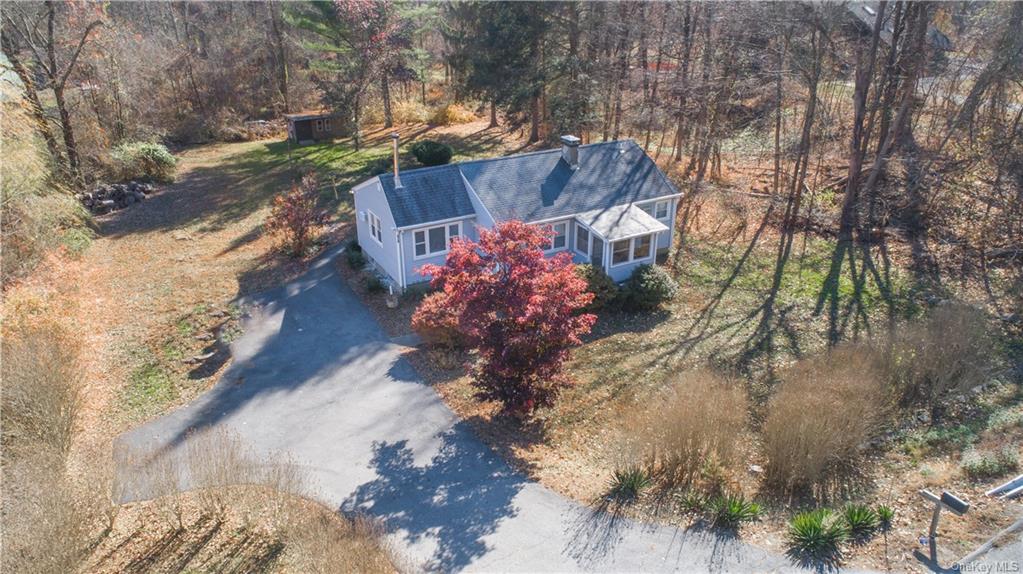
x=385 y=94
x=534 y=119
x=280 y=54
x=493 y=115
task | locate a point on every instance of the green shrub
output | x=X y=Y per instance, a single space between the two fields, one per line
x=817 y=533
x=860 y=520
x=885 y=516
x=356 y=259
x=979 y=464
x=375 y=285
x=429 y=152
x=648 y=287
x=604 y=289
x=353 y=245
x=731 y=510
x=144 y=161
x=629 y=482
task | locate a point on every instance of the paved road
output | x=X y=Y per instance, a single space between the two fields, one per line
x=316 y=378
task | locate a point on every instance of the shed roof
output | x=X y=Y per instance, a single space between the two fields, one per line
x=309 y=115
x=621 y=222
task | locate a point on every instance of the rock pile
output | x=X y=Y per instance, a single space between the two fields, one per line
x=114 y=196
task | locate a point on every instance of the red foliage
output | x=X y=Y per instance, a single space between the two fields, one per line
x=518 y=309
x=294 y=219
x=436 y=321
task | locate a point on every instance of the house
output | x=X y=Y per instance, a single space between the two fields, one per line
x=309 y=127
x=607 y=203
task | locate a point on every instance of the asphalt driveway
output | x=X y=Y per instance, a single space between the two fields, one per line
x=315 y=378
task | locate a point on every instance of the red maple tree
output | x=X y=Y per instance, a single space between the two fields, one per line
x=518 y=309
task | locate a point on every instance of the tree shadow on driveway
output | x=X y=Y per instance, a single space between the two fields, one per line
x=453 y=502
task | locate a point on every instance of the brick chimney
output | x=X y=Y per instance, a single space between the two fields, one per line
x=570 y=151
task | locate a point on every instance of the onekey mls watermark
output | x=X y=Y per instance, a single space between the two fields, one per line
x=996 y=567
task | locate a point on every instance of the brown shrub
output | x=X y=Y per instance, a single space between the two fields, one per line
x=694 y=429
x=451 y=114
x=949 y=351
x=294 y=220
x=824 y=410
x=436 y=321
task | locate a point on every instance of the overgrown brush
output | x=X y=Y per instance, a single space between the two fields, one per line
x=38 y=213
x=692 y=430
x=824 y=410
x=451 y=114
x=978 y=464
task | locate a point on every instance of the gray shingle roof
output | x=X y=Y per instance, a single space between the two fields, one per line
x=427 y=194
x=621 y=222
x=529 y=187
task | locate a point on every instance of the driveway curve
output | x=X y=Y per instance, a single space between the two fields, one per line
x=316 y=379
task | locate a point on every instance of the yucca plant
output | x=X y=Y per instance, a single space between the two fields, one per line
x=885 y=516
x=691 y=501
x=817 y=533
x=860 y=520
x=629 y=482
x=731 y=510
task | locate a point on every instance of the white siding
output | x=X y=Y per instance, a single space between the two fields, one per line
x=369 y=197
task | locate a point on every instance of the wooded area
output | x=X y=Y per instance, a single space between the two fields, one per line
x=909 y=111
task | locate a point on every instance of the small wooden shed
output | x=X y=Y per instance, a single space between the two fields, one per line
x=309 y=127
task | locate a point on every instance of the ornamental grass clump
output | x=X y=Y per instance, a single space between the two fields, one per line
x=825 y=409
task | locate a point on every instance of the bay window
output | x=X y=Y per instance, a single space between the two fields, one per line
x=560 y=239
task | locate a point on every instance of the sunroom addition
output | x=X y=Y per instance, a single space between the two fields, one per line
x=617 y=236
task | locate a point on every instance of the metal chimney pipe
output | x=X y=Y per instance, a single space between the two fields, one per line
x=397 y=177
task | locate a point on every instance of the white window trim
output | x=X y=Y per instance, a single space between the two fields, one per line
x=567 y=235
x=426 y=235
x=653 y=209
x=632 y=250
x=370 y=216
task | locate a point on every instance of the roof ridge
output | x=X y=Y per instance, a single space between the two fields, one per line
x=502 y=157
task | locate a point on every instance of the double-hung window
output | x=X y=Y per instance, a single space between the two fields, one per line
x=582 y=239
x=374 y=227
x=635 y=249
x=435 y=240
x=560 y=239
x=658 y=210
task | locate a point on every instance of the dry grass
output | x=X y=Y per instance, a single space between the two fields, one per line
x=690 y=431
x=824 y=411
x=46 y=520
x=948 y=352
x=216 y=479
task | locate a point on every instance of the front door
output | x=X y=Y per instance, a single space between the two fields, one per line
x=597 y=252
